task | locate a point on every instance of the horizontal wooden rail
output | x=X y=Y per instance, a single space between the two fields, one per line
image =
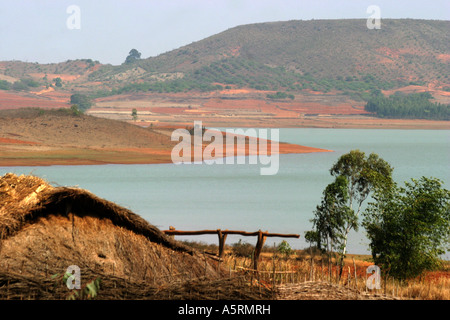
x=222 y=234
x=174 y=232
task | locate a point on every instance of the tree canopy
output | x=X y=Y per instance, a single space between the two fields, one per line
x=133 y=55
x=409 y=227
x=330 y=216
x=134 y=114
x=82 y=101
x=356 y=177
x=58 y=82
x=413 y=106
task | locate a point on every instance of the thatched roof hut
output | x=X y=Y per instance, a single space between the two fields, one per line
x=45 y=229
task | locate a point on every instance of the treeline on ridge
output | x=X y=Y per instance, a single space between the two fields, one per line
x=245 y=73
x=410 y=106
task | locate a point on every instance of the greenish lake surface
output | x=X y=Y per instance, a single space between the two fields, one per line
x=201 y=196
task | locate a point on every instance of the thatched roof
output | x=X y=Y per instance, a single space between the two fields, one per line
x=45 y=229
x=24 y=199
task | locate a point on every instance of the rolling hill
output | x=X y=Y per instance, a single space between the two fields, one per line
x=286 y=71
x=34 y=136
x=295 y=55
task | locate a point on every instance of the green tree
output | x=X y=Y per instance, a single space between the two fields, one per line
x=30 y=82
x=82 y=101
x=280 y=95
x=329 y=219
x=356 y=177
x=133 y=55
x=409 y=227
x=134 y=114
x=413 y=106
x=284 y=248
x=75 y=111
x=364 y=175
x=4 y=85
x=58 y=82
x=19 y=86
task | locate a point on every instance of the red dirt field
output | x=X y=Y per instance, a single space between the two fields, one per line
x=250 y=108
x=444 y=57
x=19 y=100
x=53 y=95
x=235 y=107
x=15 y=141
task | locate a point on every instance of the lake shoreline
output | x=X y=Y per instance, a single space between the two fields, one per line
x=71 y=157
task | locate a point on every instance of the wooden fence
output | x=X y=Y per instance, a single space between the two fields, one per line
x=222 y=234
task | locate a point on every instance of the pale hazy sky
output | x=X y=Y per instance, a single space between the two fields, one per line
x=36 y=30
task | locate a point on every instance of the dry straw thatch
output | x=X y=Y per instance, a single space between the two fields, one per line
x=45 y=229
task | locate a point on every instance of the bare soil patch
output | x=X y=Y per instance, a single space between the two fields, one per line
x=251 y=108
x=31 y=137
x=22 y=100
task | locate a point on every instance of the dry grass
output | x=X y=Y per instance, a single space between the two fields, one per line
x=16 y=287
x=305 y=280
x=43 y=230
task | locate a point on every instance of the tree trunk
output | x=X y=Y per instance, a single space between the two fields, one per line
x=344 y=251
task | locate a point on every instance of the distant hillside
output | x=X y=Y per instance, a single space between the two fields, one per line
x=340 y=57
x=29 y=76
x=20 y=69
x=321 y=55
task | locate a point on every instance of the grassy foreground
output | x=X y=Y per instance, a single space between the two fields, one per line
x=303 y=267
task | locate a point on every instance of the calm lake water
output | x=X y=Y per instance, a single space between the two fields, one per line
x=200 y=196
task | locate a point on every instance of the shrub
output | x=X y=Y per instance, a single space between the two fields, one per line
x=82 y=101
x=284 y=248
x=19 y=86
x=242 y=249
x=4 y=85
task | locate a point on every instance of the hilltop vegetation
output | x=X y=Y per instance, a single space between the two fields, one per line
x=414 y=106
x=306 y=64
x=323 y=48
x=19 y=69
x=320 y=55
x=242 y=73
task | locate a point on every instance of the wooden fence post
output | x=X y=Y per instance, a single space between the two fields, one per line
x=258 y=248
x=222 y=238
